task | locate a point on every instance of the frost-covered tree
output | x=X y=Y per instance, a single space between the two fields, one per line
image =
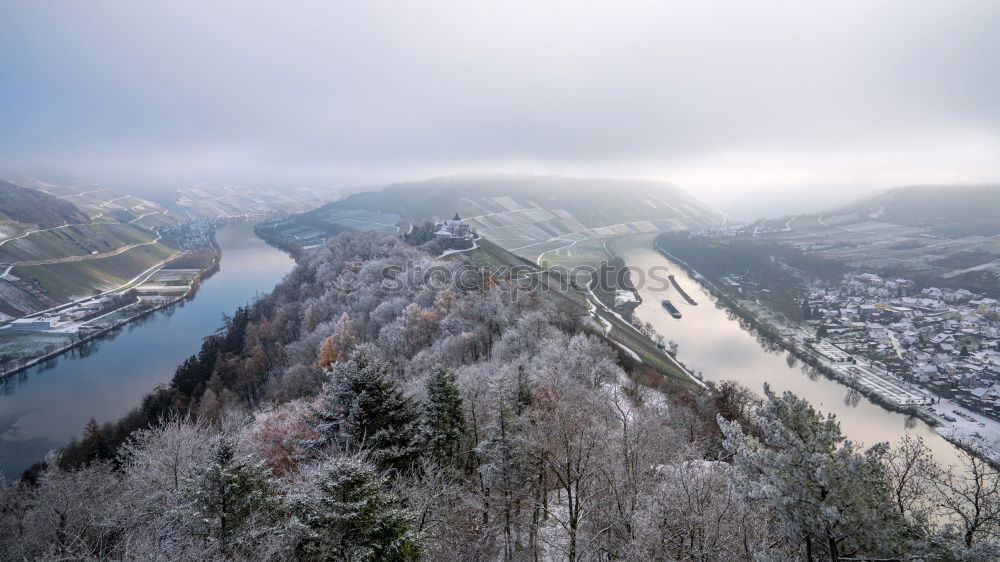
x=364 y=409
x=159 y=467
x=570 y=430
x=832 y=499
x=340 y=344
x=969 y=495
x=443 y=418
x=344 y=511
x=504 y=472
x=233 y=502
x=68 y=515
x=911 y=469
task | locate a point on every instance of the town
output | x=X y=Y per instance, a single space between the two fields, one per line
x=931 y=351
x=941 y=339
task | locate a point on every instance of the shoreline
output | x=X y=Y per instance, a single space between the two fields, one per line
x=751 y=322
x=189 y=294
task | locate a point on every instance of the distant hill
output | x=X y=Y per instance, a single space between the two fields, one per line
x=540 y=218
x=594 y=202
x=30 y=206
x=963 y=209
x=937 y=235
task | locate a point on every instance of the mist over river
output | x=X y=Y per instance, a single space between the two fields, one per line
x=46 y=406
x=716 y=345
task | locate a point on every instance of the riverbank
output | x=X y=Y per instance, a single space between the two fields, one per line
x=80 y=338
x=46 y=406
x=960 y=434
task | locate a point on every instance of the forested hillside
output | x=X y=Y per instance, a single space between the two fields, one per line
x=382 y=404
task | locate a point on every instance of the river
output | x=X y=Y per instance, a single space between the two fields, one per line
x=44 y=407
x=716 y=345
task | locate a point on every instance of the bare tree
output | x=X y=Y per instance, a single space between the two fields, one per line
x=970 y=494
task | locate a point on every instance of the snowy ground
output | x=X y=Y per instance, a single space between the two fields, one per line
x=968 y=427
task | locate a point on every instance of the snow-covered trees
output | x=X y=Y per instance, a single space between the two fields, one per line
x=364 y=409
x=351 y=416
x=970 y=495
x=339 y=344
x=343 y=510
x=831 y=498
x=443 y=419
x=232 y=504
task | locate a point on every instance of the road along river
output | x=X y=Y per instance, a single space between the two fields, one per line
x=46 y=406
x=716 y=345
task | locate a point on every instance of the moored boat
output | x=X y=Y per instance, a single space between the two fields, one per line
x=669 y=306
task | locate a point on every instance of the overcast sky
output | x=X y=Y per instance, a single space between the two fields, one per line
x=722 y=98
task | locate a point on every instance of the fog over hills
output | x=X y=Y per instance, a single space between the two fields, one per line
x=525 y=281
x=930 y=205
x=26 y=205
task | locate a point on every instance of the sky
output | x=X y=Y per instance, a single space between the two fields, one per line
x=733 y=100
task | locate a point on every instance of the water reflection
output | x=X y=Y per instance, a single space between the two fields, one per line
x=726 y=346
x=45 y=406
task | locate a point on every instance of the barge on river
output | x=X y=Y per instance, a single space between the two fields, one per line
x=669 y=307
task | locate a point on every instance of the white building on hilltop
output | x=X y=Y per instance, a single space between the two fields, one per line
x=455 y=228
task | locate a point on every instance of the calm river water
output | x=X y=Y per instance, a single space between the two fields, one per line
x=46 y=406
x=717 y=346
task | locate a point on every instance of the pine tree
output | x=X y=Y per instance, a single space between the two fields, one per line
x=444 y=418
x=95 y=446
x=830 y=497
x=229 y=494
x=364 y=409
x=822 y=332
x=347 y=513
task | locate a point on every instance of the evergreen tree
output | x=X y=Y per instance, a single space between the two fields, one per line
x=822 y=332
x=232 y=499
x=94 y=445
x=964 y=352
x=444 y=419
x=364 y=409
x=832 y=499
x=347 y=513
x=807 y=312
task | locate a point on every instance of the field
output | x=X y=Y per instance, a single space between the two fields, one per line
x=169 y=281
x=16 y=347
x=360 y=219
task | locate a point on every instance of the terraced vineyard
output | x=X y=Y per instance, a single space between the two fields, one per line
x=205 y=199
x=551 y=220
x=92 y=240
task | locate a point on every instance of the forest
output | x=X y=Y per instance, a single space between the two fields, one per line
x=376 y=405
